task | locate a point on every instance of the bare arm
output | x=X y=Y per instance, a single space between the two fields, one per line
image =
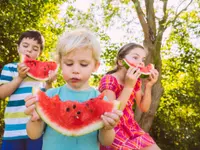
x=106 y=137
x=48 y=85
x=35 y=128
x=110 y=119
x=123 y=98
x=8 y=88
x=144 y=101
x=52 y=78
x=35 y=125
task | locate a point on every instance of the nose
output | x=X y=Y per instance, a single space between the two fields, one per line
x=75 y=69
x=141 y=63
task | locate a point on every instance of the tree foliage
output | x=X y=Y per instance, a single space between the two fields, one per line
x=176 y=125
x=176 y=122
x=16 y=16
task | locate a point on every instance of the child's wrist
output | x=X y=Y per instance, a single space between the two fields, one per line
x=149 y=85
x=49 y=82
x=19 y=78
x=105 y=130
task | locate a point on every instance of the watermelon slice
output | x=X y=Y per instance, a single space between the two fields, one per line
x=144 y=70
x=39 y=70
x=73 y=118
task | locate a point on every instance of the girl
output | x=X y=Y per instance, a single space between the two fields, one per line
x=78 y=54
x=125 y=86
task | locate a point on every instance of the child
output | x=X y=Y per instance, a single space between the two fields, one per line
x=125 y=86
x=15 y=84
x=78 y=54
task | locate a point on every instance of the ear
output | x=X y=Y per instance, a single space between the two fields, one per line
x=18 y=48
x=120 y=63
x=96 y=66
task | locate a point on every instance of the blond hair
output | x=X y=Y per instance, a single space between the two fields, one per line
x=80 y=38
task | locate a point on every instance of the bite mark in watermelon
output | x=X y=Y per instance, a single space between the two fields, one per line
x=73 y=118
x=39 y=70
x=145 y=71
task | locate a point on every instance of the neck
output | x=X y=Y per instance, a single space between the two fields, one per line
x=82 y=88
x=120 y=75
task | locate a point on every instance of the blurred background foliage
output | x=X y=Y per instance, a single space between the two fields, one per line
x=176 y=123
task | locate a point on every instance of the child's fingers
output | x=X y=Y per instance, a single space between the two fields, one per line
x=31 y=101
x=118 y=112
x=109 y=121
x=104 y=121
x=112 y=116
x=28 y=97
x=35 y=116
x=29 y=110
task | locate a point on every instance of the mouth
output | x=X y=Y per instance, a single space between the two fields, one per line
x=28 y=56
x=75 y=79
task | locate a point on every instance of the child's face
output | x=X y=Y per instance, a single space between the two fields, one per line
x=136 y=56
x=29 y=47
x=77 y=67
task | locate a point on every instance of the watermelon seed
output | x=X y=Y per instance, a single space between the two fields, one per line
x=78 y=112
x=87 y=104
x=68 y=109
x=76 y=117
x=74 y=106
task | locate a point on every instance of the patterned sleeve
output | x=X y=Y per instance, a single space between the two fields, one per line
x=138 y=85
x=108 y=82
x=7 y=73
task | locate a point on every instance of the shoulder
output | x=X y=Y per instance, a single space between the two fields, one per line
x=108 y=82
x=108 y=78
x=53 y=91
x=10 y=67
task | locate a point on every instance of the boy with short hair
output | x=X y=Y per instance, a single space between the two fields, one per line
x=15 y=84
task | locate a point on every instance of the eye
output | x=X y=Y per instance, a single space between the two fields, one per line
x=84 y=65
x=25 y=46
x=69 y=64
x=35 y=49
x=135 y=57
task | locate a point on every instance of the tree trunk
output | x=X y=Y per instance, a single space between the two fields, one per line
x=152 y=42
x=146 y=119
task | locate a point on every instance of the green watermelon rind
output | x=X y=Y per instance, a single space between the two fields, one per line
x=88 y=129
x=143 y=75
x=33 y=77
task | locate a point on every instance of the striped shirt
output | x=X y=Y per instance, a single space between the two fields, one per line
x=14 y=117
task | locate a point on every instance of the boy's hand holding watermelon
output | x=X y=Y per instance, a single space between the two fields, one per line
x=111 y=119
x=30 y=107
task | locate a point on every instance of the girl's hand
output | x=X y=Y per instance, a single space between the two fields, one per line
x=152 y=78
x=52 y=77
x=132 y=76
x=22 y=70
x=111 y=119
x=30 y=107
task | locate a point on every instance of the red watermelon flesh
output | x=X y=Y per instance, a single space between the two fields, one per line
x=144 y=70
x=39 y=70
x=73 y=118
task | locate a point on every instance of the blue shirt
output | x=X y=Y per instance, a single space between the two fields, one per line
x=53 y=140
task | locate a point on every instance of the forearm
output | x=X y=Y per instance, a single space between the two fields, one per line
x=8 y=88
x=146 y=99
x=106 y=137
x=35 y=128
x=48 y=85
